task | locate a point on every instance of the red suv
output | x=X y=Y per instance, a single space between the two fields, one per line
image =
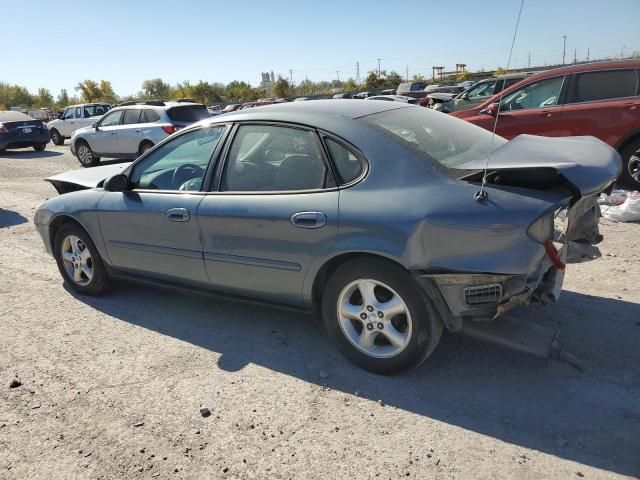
x=599 y=99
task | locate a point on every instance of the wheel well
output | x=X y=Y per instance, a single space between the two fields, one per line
x=57 y=223
x=142 y=144
x=627 y=141
x=329 y=267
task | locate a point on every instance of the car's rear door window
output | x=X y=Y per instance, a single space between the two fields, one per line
x=188 y=113
x=604 y=85
x=274 y=158
x=149 y=116
x=131 y=116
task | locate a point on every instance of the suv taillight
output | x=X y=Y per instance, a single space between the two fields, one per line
x=171 y=128
x=3 y=129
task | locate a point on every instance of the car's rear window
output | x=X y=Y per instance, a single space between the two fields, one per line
x=445 y=139
x=593 y=86
x=188 y=113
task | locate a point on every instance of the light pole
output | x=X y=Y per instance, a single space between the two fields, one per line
x=379 y=66
x=564 y=47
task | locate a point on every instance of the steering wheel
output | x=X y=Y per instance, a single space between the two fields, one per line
x=186 y=172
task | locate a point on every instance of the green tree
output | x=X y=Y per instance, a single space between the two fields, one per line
x=463 y=76
x=106 y=92
x=240 y=92
x=156 y=88
x=43 y=98
x=392 y=80
x=63 y=99
x=373 y=81
x=350 y=86
x=500 y=71
x=89 y=90
x=282 y=88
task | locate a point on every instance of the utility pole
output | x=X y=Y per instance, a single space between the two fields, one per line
x=338 y=75
x=406 y=77
x=564 y=47
x=529 y=61
x=379 y=66
x=587 y=54
x=291 y=76
x=357 y=72
x=575 y=56
x=622 y=51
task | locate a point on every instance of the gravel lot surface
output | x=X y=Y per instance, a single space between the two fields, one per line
x=112 y=387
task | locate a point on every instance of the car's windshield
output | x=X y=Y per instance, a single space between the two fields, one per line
x=483 y=89
x=445 y=139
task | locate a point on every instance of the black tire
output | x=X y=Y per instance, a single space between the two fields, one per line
x=86 y=160
x=426 y=324
x=40 y=147
x=144 y=146
x=100 y=279
x=630 y=176
x=56 y=138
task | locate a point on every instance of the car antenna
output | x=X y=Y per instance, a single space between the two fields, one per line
x=481 y=194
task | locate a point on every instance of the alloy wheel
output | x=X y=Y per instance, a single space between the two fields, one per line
x=77 y=260
x=634 y=166
x=84 y=154
x=374 y=318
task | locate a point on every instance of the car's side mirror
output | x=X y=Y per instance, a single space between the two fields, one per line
x=116 y=183
x=95 y=125
x=492 y=110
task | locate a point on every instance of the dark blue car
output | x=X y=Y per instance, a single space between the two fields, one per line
x=18 y=130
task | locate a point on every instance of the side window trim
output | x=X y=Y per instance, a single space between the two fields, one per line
x=574 y=81
x=223 y=159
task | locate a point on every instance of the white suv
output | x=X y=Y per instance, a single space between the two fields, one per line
x=74 y=117
x=131 y=129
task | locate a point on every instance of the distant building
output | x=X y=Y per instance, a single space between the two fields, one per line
x=267 y=82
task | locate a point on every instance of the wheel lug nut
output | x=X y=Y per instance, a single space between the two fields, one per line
x=380 y=326
x=363 y=316
x=369 y=308
x=369 y=326
x=380 y=314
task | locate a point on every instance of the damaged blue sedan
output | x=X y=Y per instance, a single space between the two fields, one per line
x=380 y=215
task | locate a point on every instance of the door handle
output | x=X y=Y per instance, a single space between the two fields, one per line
x=309 y=219
x=545 y=113
x=113 y=132
x=138 y=130
x=632 y=106
x=178 y=214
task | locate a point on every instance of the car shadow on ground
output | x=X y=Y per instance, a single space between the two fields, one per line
x=592 y=417
x=28 y=154
x=9 y=218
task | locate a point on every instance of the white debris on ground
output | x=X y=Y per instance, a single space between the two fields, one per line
x=620 y=206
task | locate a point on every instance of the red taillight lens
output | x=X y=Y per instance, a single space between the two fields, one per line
x=3 y=129
x=171 y=128
x=552 y=253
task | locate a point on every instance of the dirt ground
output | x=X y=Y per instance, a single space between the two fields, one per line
x=112 y=386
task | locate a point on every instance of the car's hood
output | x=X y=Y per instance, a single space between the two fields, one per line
x=442 y=96
x=85 y=178
x=589 y=164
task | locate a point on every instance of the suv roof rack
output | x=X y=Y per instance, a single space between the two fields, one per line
x=185 y=100
x=158 y=103
x=124 y=104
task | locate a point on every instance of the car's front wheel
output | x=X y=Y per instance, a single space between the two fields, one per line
x=379 y=317
x=56 y=137
x=85 y=154
x=78 y=260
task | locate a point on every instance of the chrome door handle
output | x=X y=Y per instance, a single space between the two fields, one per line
x=309 y=219
x=113 y=132
x=138 y=130
x=178 y=214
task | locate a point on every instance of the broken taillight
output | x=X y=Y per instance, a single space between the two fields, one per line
x=553 y=255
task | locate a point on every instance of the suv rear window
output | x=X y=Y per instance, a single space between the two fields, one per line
x=592 y=86
x=149 y=116
x=188 y=113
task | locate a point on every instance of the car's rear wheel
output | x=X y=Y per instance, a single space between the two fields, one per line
x=40 y=147
x=56 y=138
x=379 y=317
x=144 y=146
x=78 y=260
x=630 y=176
x=85 y=154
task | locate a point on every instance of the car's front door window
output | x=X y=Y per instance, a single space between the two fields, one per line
x=111 y=120
x=69 y=114
x=482 y=90
x=179 y=164
x=544 y=93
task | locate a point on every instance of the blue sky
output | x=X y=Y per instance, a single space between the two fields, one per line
x=57 y=43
